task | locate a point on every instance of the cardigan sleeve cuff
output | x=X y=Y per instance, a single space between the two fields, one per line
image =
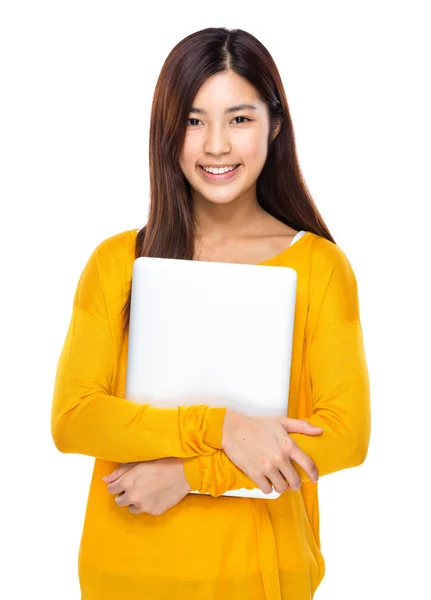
x=213 y=435
x=192 y=473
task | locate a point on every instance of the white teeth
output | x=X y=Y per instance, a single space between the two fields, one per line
x=218 y=171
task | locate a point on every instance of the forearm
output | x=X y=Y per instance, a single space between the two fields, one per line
x=341 y=399
x=341 y=407
x=215 y=474
x=86 y=419
x=116 y=430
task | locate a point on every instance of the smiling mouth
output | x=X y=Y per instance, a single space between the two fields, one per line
x=222 y=173
x=220 y=178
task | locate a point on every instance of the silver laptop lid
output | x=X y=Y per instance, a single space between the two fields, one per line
x=211 y=333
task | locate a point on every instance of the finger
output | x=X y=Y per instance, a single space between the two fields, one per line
x=111 y=477
x=305 y=462
x=120 y=470
x=291 y=475
x=122 y=499
x=277 y=480
x=114 y=475
x=263 y=483
x=300 y=426
x=134 y=510
x=116 y=486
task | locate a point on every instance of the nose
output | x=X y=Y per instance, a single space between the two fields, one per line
x=217 y=140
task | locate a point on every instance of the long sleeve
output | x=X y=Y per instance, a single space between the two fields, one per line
x=215 y=474
x=339 y=380
x=87 y=419
x=340 y=394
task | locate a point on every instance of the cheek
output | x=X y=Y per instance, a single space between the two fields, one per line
x=183 y=161
x=253 y=148
x=189 y=153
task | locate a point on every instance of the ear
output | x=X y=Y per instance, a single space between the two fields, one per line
x=276 y=130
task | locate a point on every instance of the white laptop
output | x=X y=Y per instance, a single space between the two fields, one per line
x=211 y=333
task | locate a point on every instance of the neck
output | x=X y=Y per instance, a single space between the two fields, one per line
x=225 y=221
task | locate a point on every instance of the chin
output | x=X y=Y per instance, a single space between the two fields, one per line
x=217 y=200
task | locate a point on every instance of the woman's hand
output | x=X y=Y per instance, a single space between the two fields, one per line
x=152 y=486
x=262 y=449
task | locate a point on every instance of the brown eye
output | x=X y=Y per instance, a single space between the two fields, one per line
x=246 y=118
x=199 y=121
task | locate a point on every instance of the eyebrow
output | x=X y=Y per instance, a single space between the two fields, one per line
x=231 y=109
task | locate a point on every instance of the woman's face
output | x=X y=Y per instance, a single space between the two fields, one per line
x=215 y=137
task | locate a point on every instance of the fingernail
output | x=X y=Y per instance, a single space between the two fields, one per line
x=105 y=478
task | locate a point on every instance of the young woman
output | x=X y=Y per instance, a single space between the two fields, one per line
x=225 y=186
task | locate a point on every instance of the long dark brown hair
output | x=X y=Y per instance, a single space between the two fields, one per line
x=281 y=190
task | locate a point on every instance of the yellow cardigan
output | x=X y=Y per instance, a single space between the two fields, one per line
x=208 y=547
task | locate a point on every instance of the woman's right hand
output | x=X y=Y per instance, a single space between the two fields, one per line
x=262 y=449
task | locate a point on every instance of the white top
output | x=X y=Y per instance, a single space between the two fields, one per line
x=298 y=236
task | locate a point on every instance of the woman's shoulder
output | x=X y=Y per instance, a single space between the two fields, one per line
x=327 y=256
x=114 y=257
x=330 y=266
x=119 y=244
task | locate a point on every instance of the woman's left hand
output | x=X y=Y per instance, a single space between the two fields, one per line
x=150 y=487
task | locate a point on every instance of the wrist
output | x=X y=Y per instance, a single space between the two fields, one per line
x=229 y=422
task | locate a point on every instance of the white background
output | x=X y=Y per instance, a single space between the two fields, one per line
x=77 y=80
